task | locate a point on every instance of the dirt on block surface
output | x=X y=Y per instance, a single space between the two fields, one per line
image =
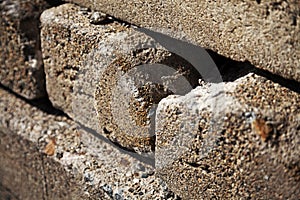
x=231 y=140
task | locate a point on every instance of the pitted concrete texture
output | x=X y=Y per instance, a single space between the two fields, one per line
x=230 y=141
x=266 y=33
x=21 y=65
x=44 y=156
x=100 y=74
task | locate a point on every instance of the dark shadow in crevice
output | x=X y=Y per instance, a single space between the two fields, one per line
x=288 y=83
x=54 y=3
x=226 y=70
x=231 y=70
x=46 y=106
x=105 y=21
x=149 y=160
x=43 y=104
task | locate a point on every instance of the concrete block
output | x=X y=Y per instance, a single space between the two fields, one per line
x=108 y=76
x=230 y=141
x=21 y=59
x=45 y=156
x=266 y=33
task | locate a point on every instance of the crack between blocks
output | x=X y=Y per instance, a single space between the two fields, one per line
x=42 y=104
x=143 y=158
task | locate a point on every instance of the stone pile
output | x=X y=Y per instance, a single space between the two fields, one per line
x=120 y=100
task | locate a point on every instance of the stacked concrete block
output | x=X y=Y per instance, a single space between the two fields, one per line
x=231 y=140
x=21 y=58
x=133 y=85
x=266 y=33
x=45 y=156
x=103 y=74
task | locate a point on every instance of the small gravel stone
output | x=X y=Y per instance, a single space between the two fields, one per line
x=98 y=17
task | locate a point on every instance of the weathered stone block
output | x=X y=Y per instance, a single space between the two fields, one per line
x=108 y=76
x=231 y=140
x=44 y=156
x=266 y=33
x=21 y=65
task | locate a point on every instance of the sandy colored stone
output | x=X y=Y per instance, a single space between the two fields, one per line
x=230 y=141
x=83 y=166
x=104 y=75
x=21 y=65
x=266 y=33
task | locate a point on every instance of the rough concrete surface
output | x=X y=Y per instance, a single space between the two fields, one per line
x=231 y=140
x=21 y=65
x=266 y=33
x=45 y=156
x=6 y=194
x=92 y=74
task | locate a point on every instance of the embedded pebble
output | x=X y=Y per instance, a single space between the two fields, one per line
x=97 y=17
